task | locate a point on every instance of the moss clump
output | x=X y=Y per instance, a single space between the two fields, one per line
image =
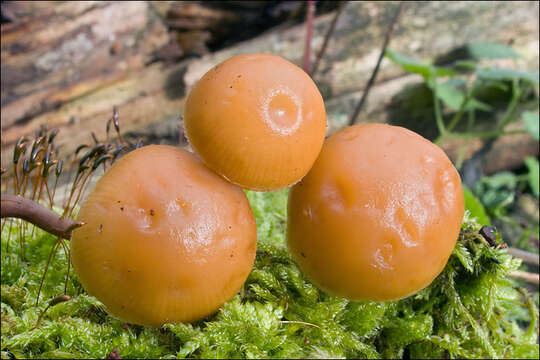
x=471 y=310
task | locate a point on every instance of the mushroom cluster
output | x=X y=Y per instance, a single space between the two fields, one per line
x=170 y=238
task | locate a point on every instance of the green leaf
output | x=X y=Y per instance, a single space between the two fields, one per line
x=417 y=67
x=475 y=207
x=496 y=191
x=489 y=50
x=531 y=123
x=453 y=98
x=532 y=165
x=450 y=96
x=464 y=257
x=500 y=180
x=507 y=74
x=456 y=82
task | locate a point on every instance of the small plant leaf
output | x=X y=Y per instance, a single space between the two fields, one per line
x=507 y=74
x=496 y=191
x=453 y=98
x=464 y=257
x=450 y=96
x=456 y=82
x=531 y=123
x=417 y=67
x=475 y=207
x=532 y=165
x=502 y=179
x=490 y=50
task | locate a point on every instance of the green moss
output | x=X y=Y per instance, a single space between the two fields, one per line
x=471 y=310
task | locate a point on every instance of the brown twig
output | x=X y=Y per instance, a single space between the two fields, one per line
x=309 y=33
x=327 y=37
x=46 y=219
x=526 y=256
x=376 y=69
x=523 y=275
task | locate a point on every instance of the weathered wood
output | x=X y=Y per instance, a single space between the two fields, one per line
x=195 y=16
x=150 y=98
x=72 y=49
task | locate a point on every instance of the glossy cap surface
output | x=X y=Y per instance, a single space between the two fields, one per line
x=256 y=119
x=165 y=240
x=378 y=215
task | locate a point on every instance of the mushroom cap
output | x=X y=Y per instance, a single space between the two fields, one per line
x=256 y=119
x=165 y=239
x=377 y=216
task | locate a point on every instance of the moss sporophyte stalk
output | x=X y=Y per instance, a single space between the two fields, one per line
x=472 y=309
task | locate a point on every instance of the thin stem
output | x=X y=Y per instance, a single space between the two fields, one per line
x=51 y=255
x=67 y=252
x=15 y=179
x=299 y=322
x=470 y=122
x=526 y=256
x=37 y=177
x=24 y=183
x=46 y=219
x=22 y=241
x=81 y=191
x=371 y=80
x=532 y=311
x=523 y=275
x=69 y=267
x=309 y=33
x=9 y=233
x=2 y=227
x=116 y=124
x=54 y=190
x=437 y=108
x=49 y=194
x=508 y=115
x=73 y=187
x=53 y=302
x=327 y=37
x=454 y=121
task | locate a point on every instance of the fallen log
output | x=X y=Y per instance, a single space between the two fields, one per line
x=150 y=96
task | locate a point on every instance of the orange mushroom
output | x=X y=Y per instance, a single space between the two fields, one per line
x=377 y=216
x=165 y=239
x=256 y=119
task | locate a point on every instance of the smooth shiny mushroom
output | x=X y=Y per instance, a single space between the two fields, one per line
x=165 y=239
x=378 y=215
x=256 y=119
